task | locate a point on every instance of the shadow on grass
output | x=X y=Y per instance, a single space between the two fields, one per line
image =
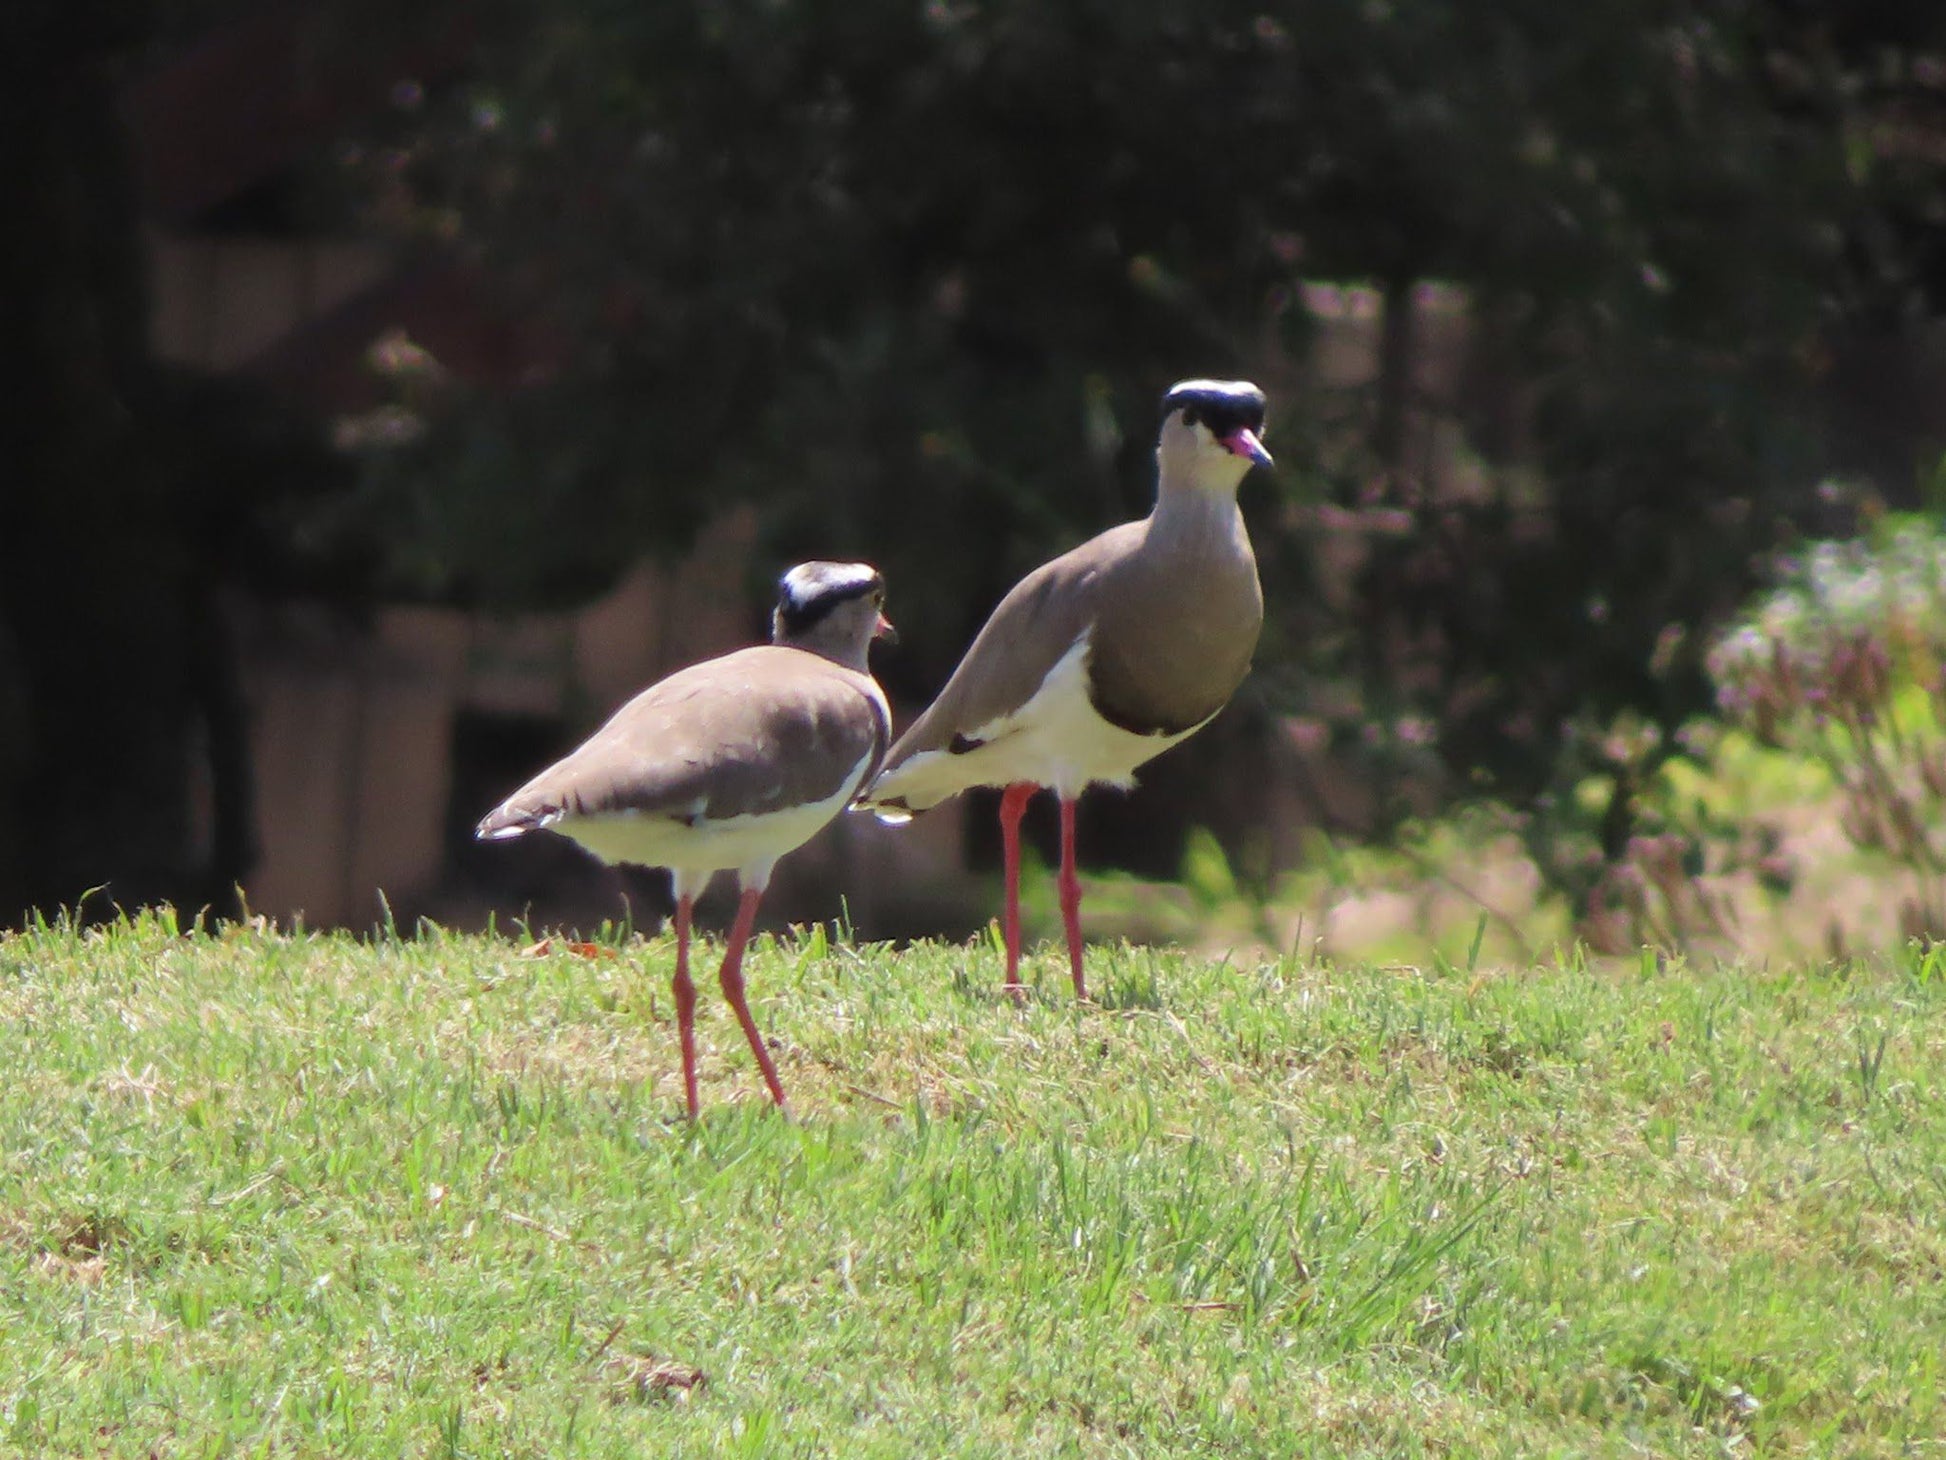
x=1128 y=981
x=1119 y=979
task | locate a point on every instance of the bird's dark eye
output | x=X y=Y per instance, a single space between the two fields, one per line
x=1189 y=415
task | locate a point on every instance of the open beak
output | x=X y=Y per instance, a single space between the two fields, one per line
x=883 y=630
x=1243 y=442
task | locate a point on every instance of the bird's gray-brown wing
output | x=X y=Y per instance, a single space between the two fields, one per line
x=1032 y=628
x=760 y=730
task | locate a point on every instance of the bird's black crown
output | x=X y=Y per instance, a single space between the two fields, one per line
x=811 y=590
x=1224 y=406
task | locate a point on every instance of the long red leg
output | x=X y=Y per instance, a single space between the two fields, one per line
x=732 y=980
x=1071 y=897
x=685 y=1001
x=1013 y=805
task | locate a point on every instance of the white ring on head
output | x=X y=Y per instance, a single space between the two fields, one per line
x=805 y=584
x=1238 y=389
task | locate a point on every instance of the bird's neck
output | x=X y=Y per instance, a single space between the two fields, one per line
x=838 y=648
x=1190 y=512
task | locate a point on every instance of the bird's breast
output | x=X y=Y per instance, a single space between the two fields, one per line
x=1170 y=649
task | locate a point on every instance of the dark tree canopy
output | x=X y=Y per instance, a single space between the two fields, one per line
x=911 y=275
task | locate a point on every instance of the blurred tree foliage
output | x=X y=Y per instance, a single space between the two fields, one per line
x=911 y=276
x=130 y=496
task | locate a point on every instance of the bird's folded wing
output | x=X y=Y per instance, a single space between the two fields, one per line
x=758 y=731
x=1029 y=632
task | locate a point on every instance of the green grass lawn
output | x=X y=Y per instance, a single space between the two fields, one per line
x=269 y=1194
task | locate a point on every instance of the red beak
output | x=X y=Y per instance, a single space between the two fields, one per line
x=884 y=630
x=1243 y=442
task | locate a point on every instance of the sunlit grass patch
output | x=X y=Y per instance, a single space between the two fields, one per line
x=306 y=1194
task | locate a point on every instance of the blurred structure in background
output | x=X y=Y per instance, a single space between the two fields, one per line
x=404 y=389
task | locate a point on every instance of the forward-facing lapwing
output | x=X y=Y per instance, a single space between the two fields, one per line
x=1105 y=657
x=729 y=765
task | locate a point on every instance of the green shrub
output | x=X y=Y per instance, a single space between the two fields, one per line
x=1844 y=663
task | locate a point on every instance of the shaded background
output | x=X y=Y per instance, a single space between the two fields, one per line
x=395 y=393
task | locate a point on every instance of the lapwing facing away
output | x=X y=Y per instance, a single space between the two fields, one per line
x=728 y=765
x=1105 y=657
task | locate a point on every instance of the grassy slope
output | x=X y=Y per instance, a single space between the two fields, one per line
x=302 y=1195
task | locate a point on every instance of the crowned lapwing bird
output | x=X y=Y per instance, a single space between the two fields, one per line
x=1105 y=657
x=727 y=766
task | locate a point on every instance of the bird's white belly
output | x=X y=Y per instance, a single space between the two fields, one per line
x=1056 y=739
x=751 y=843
